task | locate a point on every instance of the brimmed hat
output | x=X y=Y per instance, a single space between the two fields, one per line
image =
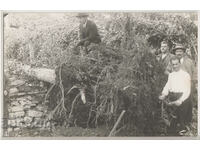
x=179 y=46
x=79 y=15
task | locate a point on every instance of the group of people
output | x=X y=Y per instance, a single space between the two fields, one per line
x=179 y=69
x=178 y=90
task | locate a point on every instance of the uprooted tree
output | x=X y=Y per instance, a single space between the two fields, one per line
x=118 y=75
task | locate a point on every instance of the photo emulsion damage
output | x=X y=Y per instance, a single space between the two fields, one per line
x=100 y=74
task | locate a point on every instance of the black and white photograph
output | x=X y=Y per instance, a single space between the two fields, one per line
x=99 y=74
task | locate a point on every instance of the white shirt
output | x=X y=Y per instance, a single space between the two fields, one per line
x=163 y=56
x=178 y=82
x=181 y=60
x=84 y=25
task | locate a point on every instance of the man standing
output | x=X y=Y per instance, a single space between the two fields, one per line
x=164 y=59
x=178 y=90
x=88 y=31
x=186 y=63
x=165 y=56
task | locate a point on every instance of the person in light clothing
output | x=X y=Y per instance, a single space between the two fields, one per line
x=178 y=91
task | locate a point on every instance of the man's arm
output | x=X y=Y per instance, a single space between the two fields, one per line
x=165 y=90
x=186 y=88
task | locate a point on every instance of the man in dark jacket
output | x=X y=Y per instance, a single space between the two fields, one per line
x=88 y=31
x=165 y=55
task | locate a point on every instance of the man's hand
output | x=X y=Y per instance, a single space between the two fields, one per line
x=162 y=97
x=175 y=103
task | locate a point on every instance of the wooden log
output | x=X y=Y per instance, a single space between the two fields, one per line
x=43 y=74
x=117 y=123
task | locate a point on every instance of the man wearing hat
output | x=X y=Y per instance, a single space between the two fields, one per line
x=186 y=63
x=88 y=31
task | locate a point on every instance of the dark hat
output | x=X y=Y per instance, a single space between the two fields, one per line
x=79 y=15
x=179 y=46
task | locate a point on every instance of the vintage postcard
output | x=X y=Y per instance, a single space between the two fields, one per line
x=99 y=74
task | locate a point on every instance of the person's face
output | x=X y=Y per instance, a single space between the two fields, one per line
x=176 y=65
x=164 y=48
x=82 y=20
x=179 y=53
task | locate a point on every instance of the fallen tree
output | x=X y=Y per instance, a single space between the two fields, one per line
x=43 y=74
x=119 y=74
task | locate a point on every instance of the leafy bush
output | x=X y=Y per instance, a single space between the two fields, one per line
x=119 y=74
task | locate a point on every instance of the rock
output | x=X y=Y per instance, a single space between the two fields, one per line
x=16 y=114
x=34 y=113
x=26 y=107
x=10 y=130
x=12 y=79
x=14 y=103
x=19 y=122
x=48 y=125
x=28 y=120
x=28 y=124
x=16 y=122
x=16 y=129
x=40 y=108
x=35 y=102
x=41 y=84
x=36 y=124
x=11 y=123
x=17 y=83
x=21 y=98
x=25 y=102
x=16 y=108
x=28 y=97
x=32 y=104
x=13 y=91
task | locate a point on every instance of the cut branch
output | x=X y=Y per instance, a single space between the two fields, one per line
x=112 y=133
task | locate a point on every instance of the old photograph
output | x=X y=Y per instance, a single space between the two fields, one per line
x=100 y=74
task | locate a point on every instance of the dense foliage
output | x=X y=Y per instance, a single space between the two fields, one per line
x=119 y=74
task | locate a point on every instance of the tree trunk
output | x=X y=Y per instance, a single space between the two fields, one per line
x=44 y=74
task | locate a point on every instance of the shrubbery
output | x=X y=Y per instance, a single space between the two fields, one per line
x=119 y=74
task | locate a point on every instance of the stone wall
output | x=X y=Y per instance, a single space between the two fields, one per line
x=27 y=111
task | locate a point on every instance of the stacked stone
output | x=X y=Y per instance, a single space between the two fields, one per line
x=26 y=112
